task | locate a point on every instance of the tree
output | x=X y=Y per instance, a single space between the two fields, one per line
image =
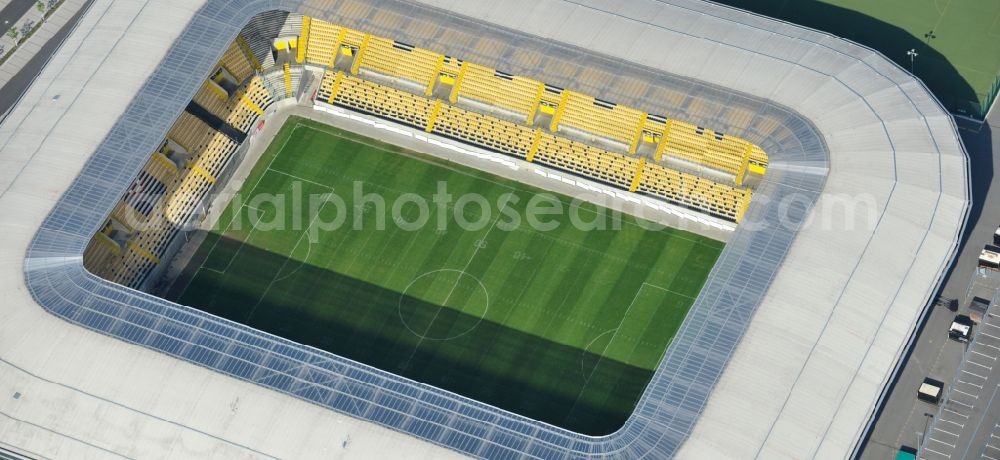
x=12 y=32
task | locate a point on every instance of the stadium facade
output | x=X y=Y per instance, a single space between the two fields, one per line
x=785 y=354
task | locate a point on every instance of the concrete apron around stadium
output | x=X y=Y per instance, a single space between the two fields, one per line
x=526 y=173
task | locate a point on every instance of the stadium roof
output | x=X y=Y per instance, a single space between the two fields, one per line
x=805 y=378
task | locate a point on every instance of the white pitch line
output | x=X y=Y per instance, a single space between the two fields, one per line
x=253 y=228
x=666 y=290
x=475 y=251
x=298 y=241
x=293 y=176
x=614 y=334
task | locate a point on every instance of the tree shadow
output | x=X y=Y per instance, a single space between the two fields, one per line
x=940 y=75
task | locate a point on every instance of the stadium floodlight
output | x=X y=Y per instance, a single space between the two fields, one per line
x=912 y=53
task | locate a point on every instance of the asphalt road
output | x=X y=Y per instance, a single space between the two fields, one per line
x=903 y=419
x=12 y=91
x=12 y=11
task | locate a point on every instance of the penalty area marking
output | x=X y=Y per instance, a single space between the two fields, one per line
x=615 y=330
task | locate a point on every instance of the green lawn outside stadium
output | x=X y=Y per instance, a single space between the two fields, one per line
x=960 y=62
x=564 y=325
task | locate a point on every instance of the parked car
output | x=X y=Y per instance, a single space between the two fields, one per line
x=961 y=328
x=906 y=453
x=989 y=258
x=930 y=390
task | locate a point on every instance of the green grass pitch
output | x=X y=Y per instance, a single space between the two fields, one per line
x=959 y=61
x=564 y=325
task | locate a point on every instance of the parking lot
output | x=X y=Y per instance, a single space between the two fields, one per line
x=966 y=422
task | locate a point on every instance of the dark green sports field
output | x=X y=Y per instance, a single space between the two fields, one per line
x=563 y=325
x=957 y=41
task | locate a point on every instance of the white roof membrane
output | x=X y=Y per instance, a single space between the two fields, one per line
x=784 y=355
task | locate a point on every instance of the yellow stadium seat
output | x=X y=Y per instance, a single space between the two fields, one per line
x=490 y=132
x=236 y=62
x=383 y=101
x=321 y=40
x=395 y=59
x=516 y=94
x=600 y=118
x=708 y=148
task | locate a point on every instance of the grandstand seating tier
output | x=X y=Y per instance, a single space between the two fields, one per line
x=475 y=128
x=383 y=101
x=693 y=191
x=522 y=96
x=586 y=160
x=615 y=122
x=208 y=96
x=178 y=191
x=236 y=62
x=622 y=171
x=321 y=41
x=188 y=132
x=396 y=60
x=483 y=84
x=706 y=147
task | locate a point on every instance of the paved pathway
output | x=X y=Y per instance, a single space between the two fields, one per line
x=20 y=69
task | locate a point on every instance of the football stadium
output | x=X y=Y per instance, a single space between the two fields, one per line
x=560 y=229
